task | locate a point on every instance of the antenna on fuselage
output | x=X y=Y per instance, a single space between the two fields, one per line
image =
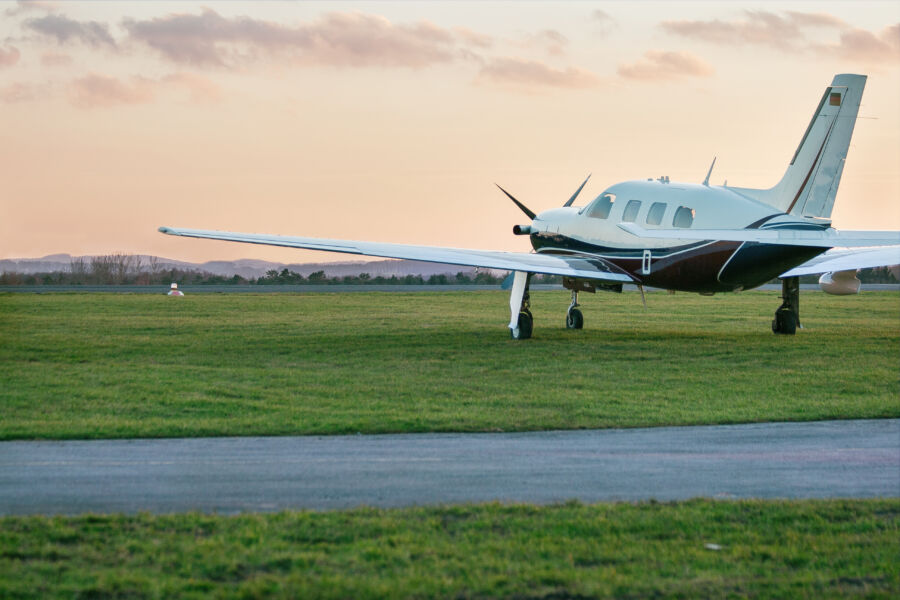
x=706 y=181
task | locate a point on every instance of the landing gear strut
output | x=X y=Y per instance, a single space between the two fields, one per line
x=521 y=322
x=574 y=318
x=787 y=317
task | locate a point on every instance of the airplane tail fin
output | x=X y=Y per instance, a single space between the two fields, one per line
x=809 y=185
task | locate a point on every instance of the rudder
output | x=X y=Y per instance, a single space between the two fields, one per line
x=810 y=184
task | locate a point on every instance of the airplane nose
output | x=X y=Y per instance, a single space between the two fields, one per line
x=522 y=229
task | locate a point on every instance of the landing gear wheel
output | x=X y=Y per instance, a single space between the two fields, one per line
x=785 y=321
x=523 y=327
x=574 y=319
x=787 y=317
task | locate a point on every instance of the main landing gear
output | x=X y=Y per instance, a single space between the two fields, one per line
x=787 y=317
x=521 y=322
x=574 y=318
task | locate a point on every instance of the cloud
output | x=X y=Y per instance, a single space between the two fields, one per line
x=100 y=91
x=473 y=38
x=199 y=88
x=793 y=32
x=65 y=29
x=659 y=65
x=816 y=20
x=865 y=46
x=52 y=59
x=93 y=91
x=337 y=39
x=758 y=27
x=604 y=20
x=529 y=74
x=9 y=57
x=550 y=40
x=23 y=6
x=19 y=92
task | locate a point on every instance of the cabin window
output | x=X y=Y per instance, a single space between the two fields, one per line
x=656 y=212
x=599 y=208
x=631 y=211
x=684 y=217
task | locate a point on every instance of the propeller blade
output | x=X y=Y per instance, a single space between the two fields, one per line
x=508 y=281
x=524 y=208
x=578 y=191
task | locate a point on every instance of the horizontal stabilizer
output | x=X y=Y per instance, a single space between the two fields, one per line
x=550 y=264
x=823 y=238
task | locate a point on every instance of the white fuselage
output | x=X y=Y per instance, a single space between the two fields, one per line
x=655 y=204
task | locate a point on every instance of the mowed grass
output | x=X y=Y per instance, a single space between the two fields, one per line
x=114 y=366
x=695 y=549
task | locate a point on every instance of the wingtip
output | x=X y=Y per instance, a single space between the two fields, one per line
x=164 y=230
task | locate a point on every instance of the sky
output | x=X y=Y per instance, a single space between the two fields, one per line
x=393 y=121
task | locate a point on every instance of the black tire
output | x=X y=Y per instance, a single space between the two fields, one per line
x=524 y=327
x=574 y=319
x=785 y=322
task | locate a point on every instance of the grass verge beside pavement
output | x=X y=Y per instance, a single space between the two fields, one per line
x=116 y=366
x=699 y=548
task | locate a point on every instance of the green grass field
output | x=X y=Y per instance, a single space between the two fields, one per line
x=102 y=365
x=112 y=366
x=809 y=549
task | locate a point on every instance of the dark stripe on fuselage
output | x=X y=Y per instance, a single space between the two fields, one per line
x=545 y=241
x=803 y=226
x=693 y=267
x=761 y=224
x=758 y=224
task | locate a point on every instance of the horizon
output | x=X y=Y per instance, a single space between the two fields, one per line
x=392 y=121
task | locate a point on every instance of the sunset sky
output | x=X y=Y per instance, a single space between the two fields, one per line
x=392 y=121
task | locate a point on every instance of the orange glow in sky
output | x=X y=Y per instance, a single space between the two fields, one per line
x=391 y=122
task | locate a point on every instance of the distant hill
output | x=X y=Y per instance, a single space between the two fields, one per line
x=248 y=268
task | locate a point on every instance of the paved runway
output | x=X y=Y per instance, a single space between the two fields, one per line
x=225 y=475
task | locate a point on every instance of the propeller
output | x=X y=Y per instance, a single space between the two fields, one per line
x=525 y=209
x=578 y=191
x=530 y=213
x=525 y=229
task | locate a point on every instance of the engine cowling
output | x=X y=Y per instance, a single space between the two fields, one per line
x=840 y=283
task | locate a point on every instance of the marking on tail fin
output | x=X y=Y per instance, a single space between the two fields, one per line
x=811 y=168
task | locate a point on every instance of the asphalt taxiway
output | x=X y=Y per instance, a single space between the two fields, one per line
x=773 y=460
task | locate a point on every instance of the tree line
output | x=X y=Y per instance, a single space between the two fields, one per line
x=127 y=269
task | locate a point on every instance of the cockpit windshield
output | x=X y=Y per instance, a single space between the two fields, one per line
x=600 y=207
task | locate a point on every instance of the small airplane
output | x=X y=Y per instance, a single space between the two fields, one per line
x=677 y=236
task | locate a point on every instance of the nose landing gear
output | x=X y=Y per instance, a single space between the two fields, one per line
x=574 y=318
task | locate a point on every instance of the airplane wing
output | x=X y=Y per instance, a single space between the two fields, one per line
x=829 y=238
x=551 y=264
x=847 y=259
